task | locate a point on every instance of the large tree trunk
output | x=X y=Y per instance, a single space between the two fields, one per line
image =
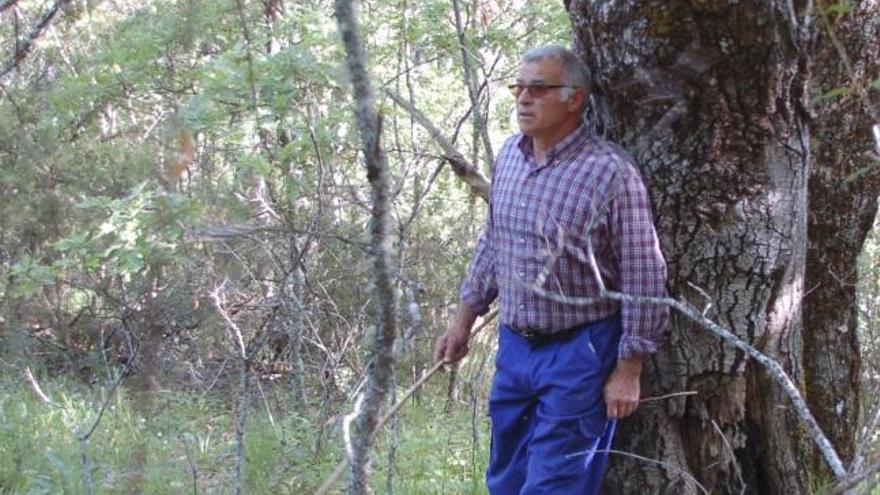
x=843 y=203
x=712 y=98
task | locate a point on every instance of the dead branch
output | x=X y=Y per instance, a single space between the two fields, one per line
x=772 y=366
x=6 y=5
x=244 y=382
x=677 y=470
x=340 y=468
x=465 y=170
x=34 y=387
x=22 y=52
x=852 y=481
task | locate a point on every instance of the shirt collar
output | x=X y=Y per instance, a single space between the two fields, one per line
x=559 y=150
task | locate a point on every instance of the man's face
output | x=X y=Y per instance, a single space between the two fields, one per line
x=545 y=115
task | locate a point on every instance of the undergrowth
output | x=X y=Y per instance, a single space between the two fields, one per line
x=187 y=445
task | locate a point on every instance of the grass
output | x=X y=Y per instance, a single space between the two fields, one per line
x=187 y=445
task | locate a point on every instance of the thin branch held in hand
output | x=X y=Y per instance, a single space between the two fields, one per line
x=340 y=468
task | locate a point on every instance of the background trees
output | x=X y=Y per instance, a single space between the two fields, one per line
x=182 y=188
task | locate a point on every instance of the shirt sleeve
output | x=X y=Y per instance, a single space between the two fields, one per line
x=480 y=288
x=641 y=264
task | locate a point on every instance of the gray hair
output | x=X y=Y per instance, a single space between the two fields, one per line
x=574 y=71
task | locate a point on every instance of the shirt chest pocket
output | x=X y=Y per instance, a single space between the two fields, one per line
x=564 y=221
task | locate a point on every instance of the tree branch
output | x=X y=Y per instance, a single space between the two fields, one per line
x=466 y=171
x=25 y=49
x=7 y=5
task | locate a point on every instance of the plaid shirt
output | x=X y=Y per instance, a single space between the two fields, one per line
x=539 y=220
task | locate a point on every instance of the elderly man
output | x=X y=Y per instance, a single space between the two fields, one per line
x=565 y=204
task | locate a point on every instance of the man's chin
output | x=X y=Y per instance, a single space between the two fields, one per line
x=525 y=127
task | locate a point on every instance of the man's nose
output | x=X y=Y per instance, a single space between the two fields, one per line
x=525 y=96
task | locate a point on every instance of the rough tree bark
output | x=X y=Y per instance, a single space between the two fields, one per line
x=381 y=340
x=841 y=213
x=713 y=99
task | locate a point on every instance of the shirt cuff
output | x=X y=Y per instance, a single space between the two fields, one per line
x=631 y=347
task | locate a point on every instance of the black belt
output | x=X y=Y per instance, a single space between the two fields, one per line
x=536 y=339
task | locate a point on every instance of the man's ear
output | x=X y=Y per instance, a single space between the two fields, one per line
x=578 y=99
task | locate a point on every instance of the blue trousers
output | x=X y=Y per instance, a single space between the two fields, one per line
x=550 y=432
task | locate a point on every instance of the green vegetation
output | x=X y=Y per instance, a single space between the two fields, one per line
x=155 y=153
x=190 y=445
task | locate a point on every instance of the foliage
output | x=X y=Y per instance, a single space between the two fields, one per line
x=153 y=151
x=190 y=441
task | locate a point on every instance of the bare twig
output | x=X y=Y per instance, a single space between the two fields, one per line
x=22 y=52
x=244 y=382
x=35 y=388
x=732 y=454
x=675 y=469
x=340 y=468
x=771 y=365
x=192 y=463
x=84 y=437
x=871 y=428
x=217 y=297
x=852 y=481
x=7 y=4
x=465 y=170
x=668 y=396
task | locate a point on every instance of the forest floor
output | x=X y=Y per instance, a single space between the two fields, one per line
x=187 y=444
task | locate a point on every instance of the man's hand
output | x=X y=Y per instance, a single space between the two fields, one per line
x=622 y=389
x=453 y=345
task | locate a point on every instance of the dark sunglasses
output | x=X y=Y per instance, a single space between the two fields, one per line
x=536 y=90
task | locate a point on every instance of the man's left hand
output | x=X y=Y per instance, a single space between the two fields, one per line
x=623 y=388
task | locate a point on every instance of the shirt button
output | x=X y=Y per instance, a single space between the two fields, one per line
x=522 y=306
x=521 y=240
x=522 y=273
x=522 y=203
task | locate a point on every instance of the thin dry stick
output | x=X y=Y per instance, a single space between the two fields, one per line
x=771 y=365
x=853 y=481
x=668 y=396
x=684 y=474
x=736 y=468
x=467 y=171
x=266 y=403
x=35 y=388
x=859 y=457
x=84 y=437
x=244 y=384
x=340 y=468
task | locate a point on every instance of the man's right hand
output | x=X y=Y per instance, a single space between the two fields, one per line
x=453 y=345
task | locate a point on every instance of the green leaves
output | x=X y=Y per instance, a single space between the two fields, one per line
x=835 y=93
x=29 y=275
x=838 y=8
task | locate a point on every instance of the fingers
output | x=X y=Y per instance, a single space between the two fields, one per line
x=618 y=409
x=449 y=350
x=440 y=349
x=455 y=351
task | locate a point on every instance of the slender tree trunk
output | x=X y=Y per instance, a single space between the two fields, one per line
x=293 y=296
x=381 y=341
x=711 y=99
x=146 y=383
